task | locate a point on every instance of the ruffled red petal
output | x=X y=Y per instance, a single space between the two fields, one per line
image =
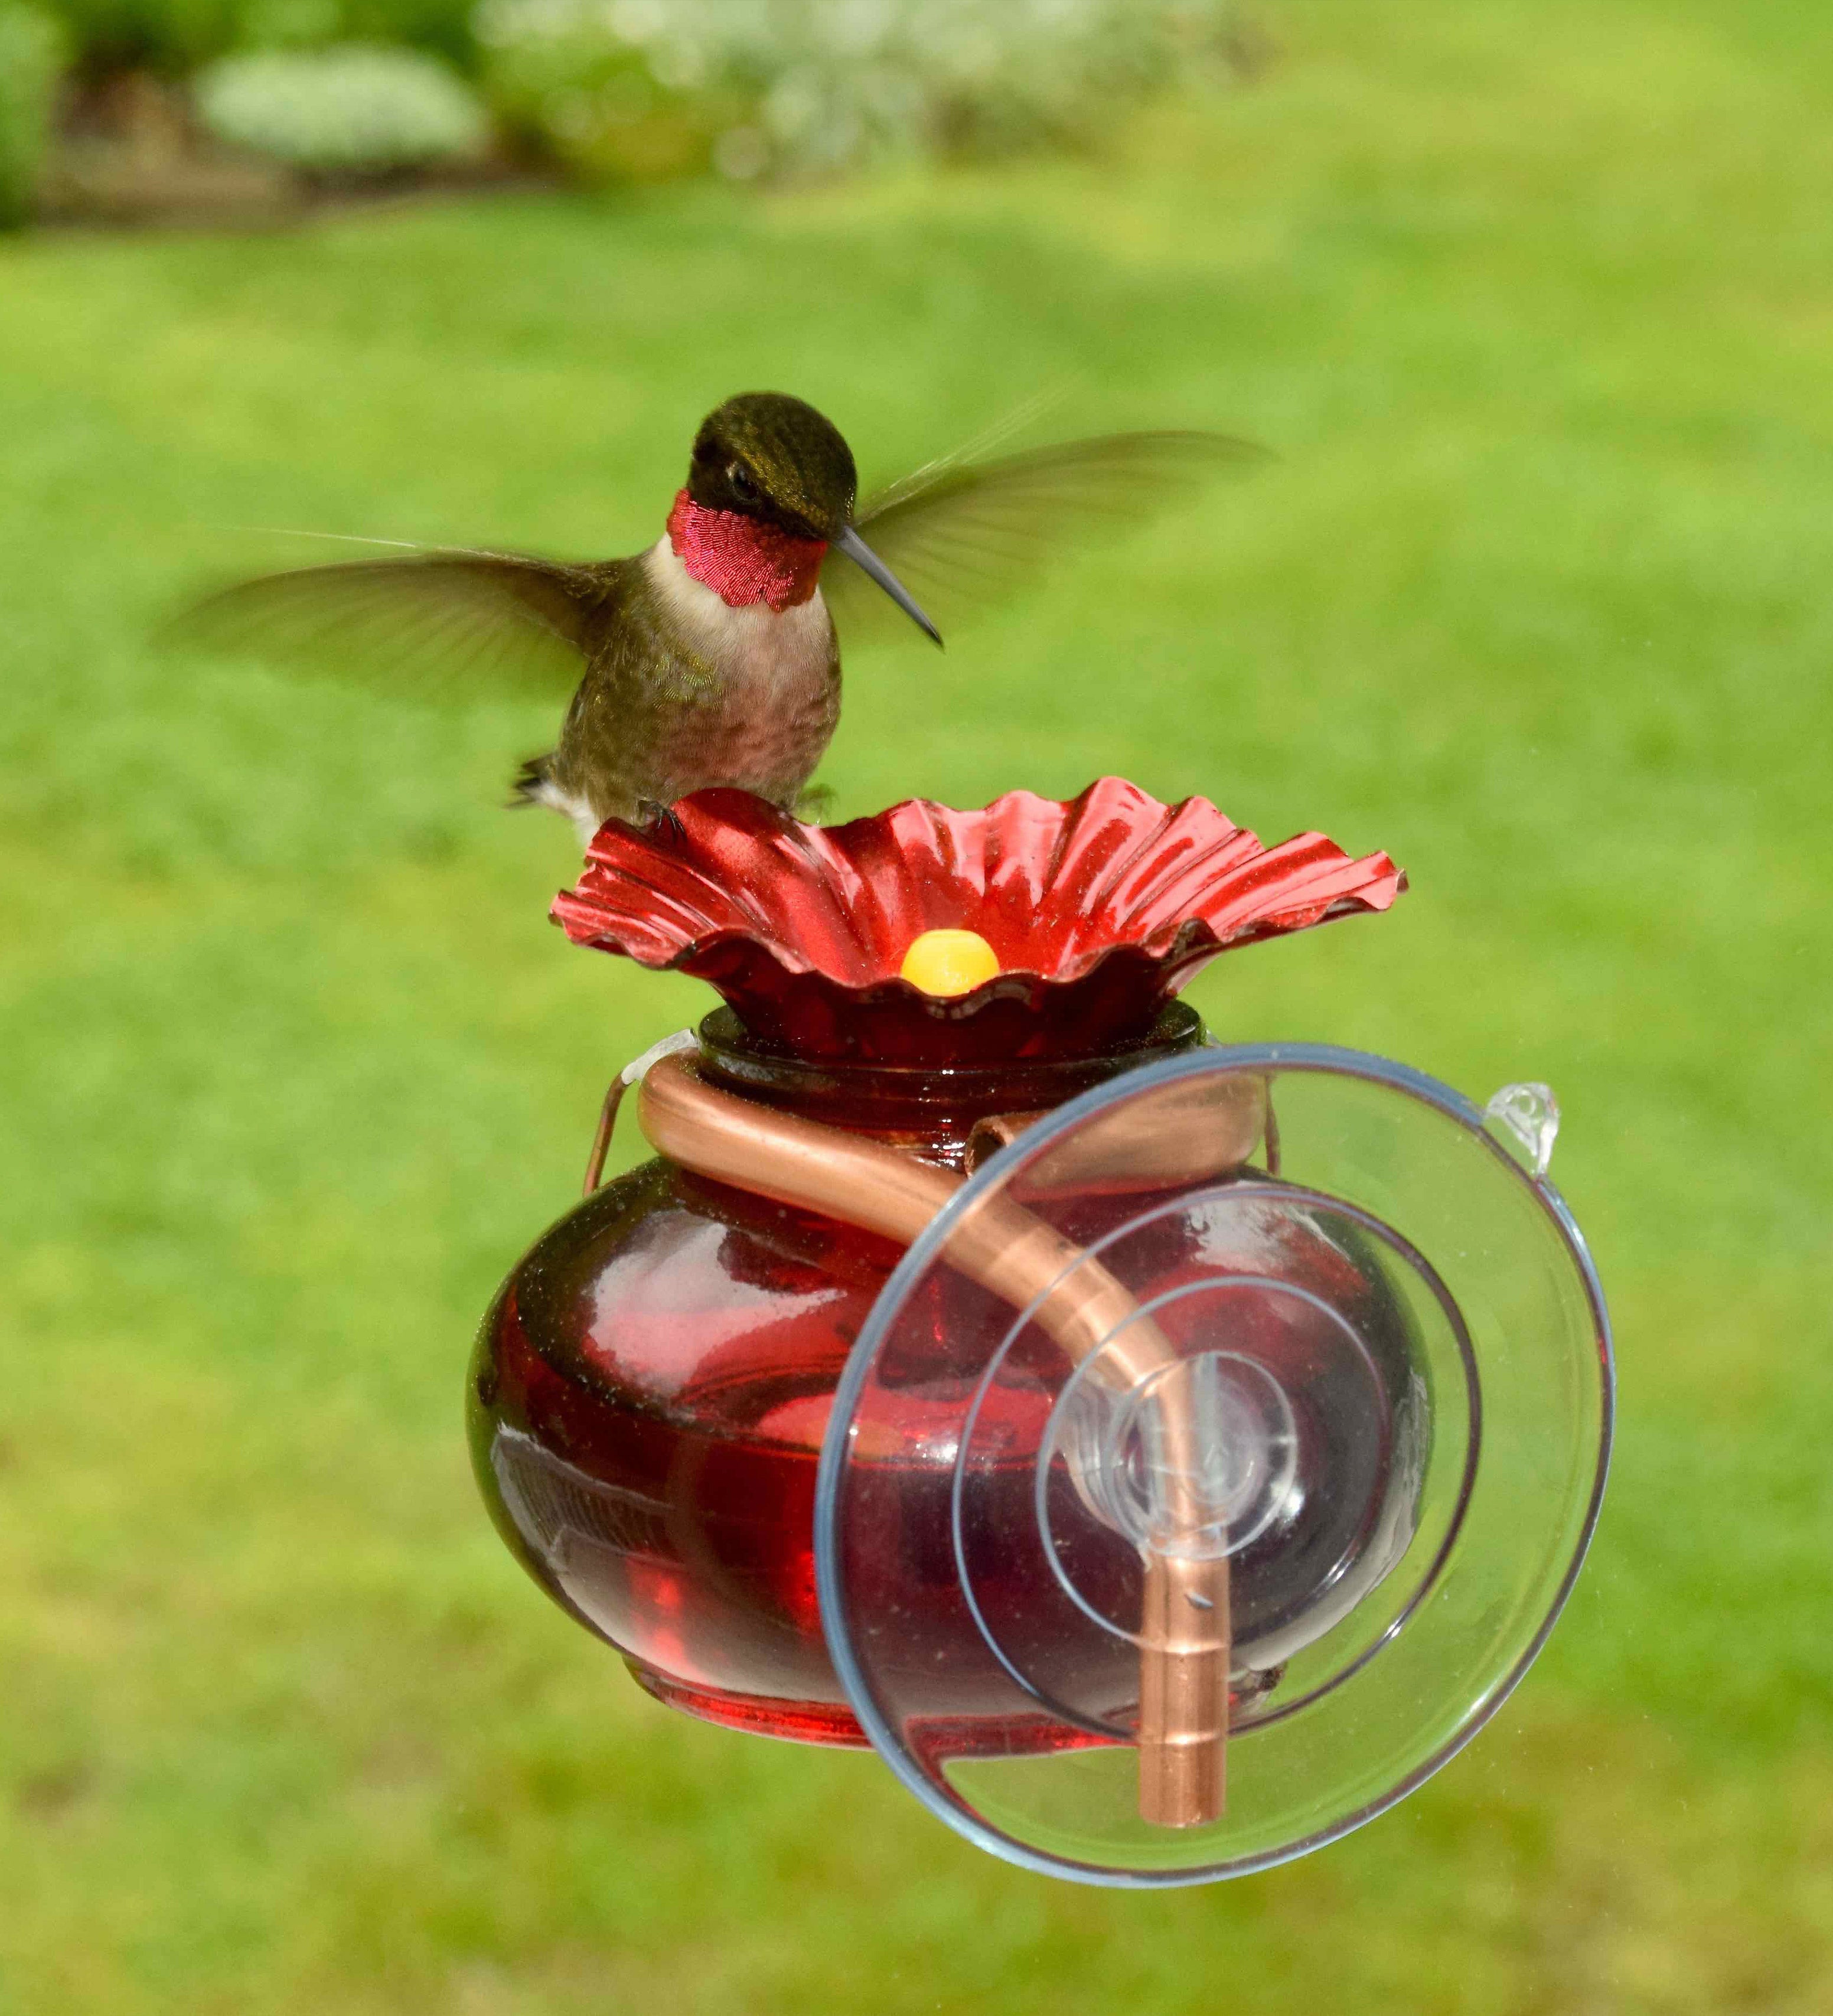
x=1099 y=908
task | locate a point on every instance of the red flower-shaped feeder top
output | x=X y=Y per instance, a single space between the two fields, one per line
x=1099 y=909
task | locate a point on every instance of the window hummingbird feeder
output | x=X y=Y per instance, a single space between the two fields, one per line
x=1165 y=1454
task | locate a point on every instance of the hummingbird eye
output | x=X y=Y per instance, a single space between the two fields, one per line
x=741 y=479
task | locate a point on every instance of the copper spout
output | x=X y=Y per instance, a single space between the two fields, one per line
x=1183 y=1691
x=793 y=1160
x=1186 y=1132
x=1184 y=1635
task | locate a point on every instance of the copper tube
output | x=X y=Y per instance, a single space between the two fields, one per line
x=1184 y=1690
x=1184 y=1635
x=794 y=1161
x=861 y=1182
x=1184 y=1132
x=989 y=1136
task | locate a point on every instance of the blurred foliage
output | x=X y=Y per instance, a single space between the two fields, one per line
x=31 y=61
x=647 y=89
x=176 y=36
x=353 y=110
x=652 y=90
x=164 y=35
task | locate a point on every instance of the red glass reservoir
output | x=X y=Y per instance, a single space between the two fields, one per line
x=652 y=1384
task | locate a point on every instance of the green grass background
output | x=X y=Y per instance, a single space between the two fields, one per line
x=1536 y=304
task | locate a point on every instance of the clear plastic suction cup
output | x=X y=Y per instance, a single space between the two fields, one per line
x=1213 y=1466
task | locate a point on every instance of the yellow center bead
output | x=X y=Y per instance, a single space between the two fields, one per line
x=950 y=962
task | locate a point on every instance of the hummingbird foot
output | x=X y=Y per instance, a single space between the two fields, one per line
x=659 y=819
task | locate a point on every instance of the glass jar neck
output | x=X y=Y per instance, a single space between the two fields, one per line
x=931 y=1108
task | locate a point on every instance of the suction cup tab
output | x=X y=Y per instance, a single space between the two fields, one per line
x=1140 y=1486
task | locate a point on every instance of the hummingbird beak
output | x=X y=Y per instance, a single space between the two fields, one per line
x=862 y=556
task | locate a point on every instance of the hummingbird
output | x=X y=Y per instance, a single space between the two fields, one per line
x=712 y=657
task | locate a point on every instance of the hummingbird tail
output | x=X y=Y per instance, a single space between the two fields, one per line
x=534 y=783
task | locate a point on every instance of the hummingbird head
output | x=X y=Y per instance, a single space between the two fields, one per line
x=766 y=455
x=775 y=460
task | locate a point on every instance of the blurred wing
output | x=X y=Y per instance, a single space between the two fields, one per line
x=961 y=534
x=441 y=620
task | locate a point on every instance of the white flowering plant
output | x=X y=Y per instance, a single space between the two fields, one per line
x=649 y=88
x=352 y=110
